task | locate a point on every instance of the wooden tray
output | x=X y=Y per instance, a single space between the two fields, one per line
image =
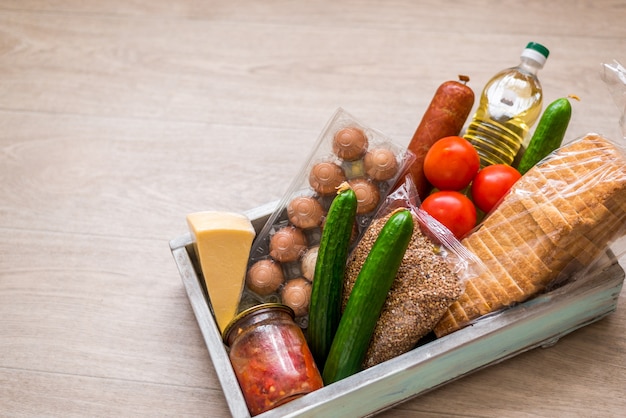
x=539 y=322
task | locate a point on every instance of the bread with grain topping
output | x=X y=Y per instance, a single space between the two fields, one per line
x=559 y=216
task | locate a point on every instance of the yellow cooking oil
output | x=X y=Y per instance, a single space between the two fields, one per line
x=510 y=103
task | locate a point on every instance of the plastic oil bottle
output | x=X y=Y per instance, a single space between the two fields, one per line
x=510 y=104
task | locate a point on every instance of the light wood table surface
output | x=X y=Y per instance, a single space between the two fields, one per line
x=117 y=118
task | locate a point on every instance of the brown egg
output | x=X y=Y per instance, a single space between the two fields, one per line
x=380 y=164
x=325 y=177
x=265 y=277
x=297 y=295
x=287 y=244
x=305 y=212
x=367 y=195
x=350 y=144
x=308 y=262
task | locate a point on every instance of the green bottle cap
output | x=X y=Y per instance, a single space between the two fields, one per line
x=539 y=48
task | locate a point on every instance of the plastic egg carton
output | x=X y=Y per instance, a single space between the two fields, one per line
x=282 y=260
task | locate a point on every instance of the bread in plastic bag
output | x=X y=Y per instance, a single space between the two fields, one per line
x=557 y=219
x=429 y=280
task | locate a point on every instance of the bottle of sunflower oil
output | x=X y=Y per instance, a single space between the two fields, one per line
x=510 y=104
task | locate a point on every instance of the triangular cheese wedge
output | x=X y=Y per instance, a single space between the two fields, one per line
x=222 y=241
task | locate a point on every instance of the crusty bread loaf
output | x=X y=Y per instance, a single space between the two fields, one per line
x=564 y=211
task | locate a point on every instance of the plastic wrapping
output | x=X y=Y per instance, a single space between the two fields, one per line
x=431 y=277
x=283 y=255
x=614 y=76
x=552 y=225
x=555 y=223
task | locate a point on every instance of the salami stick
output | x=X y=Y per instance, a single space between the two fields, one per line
x=445 y=116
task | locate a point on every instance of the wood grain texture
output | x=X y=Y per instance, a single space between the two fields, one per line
x=118 y=118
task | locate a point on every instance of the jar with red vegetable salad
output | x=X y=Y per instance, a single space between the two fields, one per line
x=270 y=357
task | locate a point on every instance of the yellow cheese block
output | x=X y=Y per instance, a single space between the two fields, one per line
x=222 y=241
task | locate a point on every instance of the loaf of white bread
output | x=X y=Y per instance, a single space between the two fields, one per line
x=559 y=216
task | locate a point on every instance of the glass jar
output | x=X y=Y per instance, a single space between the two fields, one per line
x=270 y=357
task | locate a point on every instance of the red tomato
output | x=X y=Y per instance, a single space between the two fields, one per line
x=491 y=184
x=451 y=163
x=453 y=209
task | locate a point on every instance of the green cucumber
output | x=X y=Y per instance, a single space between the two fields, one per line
x=549 y=133
x=367 y=298
x=330 y=266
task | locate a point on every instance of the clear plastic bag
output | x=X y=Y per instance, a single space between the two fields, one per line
x=431 y=278
x=614 y=76
x=283 y=255
x=556 y=223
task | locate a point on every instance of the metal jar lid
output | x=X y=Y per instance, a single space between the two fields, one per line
x=256 y=309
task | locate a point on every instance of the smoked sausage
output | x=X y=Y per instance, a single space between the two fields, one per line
x=445 y=116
